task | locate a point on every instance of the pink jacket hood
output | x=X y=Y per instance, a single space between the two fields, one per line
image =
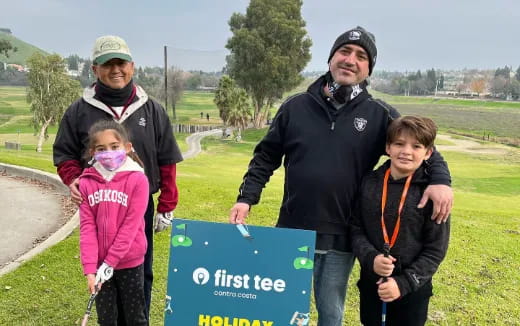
x=112 y=216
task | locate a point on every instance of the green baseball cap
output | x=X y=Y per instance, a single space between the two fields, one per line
x=109 y=47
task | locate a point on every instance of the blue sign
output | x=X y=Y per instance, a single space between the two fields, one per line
x=223 y=274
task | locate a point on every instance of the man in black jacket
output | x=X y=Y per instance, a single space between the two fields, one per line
x=115 y=96
x=330 y=137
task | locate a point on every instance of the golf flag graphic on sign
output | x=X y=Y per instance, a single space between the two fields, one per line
x=223 y=274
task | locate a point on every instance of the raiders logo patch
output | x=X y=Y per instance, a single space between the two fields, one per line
x=360 y=124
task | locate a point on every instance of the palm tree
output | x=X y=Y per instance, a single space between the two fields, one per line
x=240 y=111
x=234 y=105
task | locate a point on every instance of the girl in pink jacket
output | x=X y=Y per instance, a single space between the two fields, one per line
x=112 y=238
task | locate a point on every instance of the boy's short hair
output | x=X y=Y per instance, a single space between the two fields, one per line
x=421 y=128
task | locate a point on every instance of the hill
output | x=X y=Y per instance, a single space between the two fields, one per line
x=25 y=50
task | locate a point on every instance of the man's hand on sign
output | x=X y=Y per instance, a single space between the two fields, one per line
x=239 y=213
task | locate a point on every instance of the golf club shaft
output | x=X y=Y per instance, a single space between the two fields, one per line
x=383 y=307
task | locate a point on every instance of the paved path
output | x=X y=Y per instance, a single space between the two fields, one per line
x=193 y=141
x=28 y=213
x=468 y=145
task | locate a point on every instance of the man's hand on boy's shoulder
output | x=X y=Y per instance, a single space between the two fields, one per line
x=442 y=198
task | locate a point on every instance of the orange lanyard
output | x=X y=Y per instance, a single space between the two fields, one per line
x=390 y=244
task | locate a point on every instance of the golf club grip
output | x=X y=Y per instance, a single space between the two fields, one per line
x=386 y=254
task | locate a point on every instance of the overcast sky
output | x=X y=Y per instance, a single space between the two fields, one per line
x=410 y=34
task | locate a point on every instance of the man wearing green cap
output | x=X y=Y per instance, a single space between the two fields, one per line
x=329 y=137
x=114 y=96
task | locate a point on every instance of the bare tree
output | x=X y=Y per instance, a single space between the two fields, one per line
x=175 y=88
x=478 y=86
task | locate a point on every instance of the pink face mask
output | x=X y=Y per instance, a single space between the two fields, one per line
x=111 y=160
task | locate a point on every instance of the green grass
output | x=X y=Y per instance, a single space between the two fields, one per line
x=398 y=99
x=476 y=118
x=477 y=284
x=192 y=103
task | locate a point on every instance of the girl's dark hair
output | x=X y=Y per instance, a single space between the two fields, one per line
x=120 y=133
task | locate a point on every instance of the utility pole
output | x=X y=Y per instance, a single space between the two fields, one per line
x=437 y=82
x=166 y=78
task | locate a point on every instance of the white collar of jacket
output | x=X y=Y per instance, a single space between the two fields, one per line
x=142 y=98
x=129 y=165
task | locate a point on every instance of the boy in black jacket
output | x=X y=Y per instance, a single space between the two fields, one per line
x=398 y=246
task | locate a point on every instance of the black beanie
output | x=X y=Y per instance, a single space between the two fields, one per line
x=358 y=36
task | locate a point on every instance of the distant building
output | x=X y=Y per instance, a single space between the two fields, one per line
x=20 y=68
x=75 y=73
x=6 y=30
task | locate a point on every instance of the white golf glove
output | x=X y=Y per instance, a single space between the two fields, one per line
x=104 y=273
x=163 y=221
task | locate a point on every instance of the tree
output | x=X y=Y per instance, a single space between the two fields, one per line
x=269 y=49
x=461 y=88
x=73 y=62
x=223 y=98
x=152 y=83
x=50 y=92
x=175 y=88
x=233 y=104
x=5 y=47
x=515 y=89
x=517 y=74
x=240 y=113
x=431 y=80
x=504 y=72
x=86 y=76
x=499 y=87
x=441 y=82
x=194 y=81
x=478 y=86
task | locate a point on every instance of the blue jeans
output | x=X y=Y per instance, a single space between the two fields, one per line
x=331 y=273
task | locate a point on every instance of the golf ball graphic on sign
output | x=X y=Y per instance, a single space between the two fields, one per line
x=181 y=240
x=303 y=262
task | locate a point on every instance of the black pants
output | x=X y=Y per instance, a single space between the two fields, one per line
x=148 y=258
x=410 y=310
x=149 y=216
x=122 y=298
